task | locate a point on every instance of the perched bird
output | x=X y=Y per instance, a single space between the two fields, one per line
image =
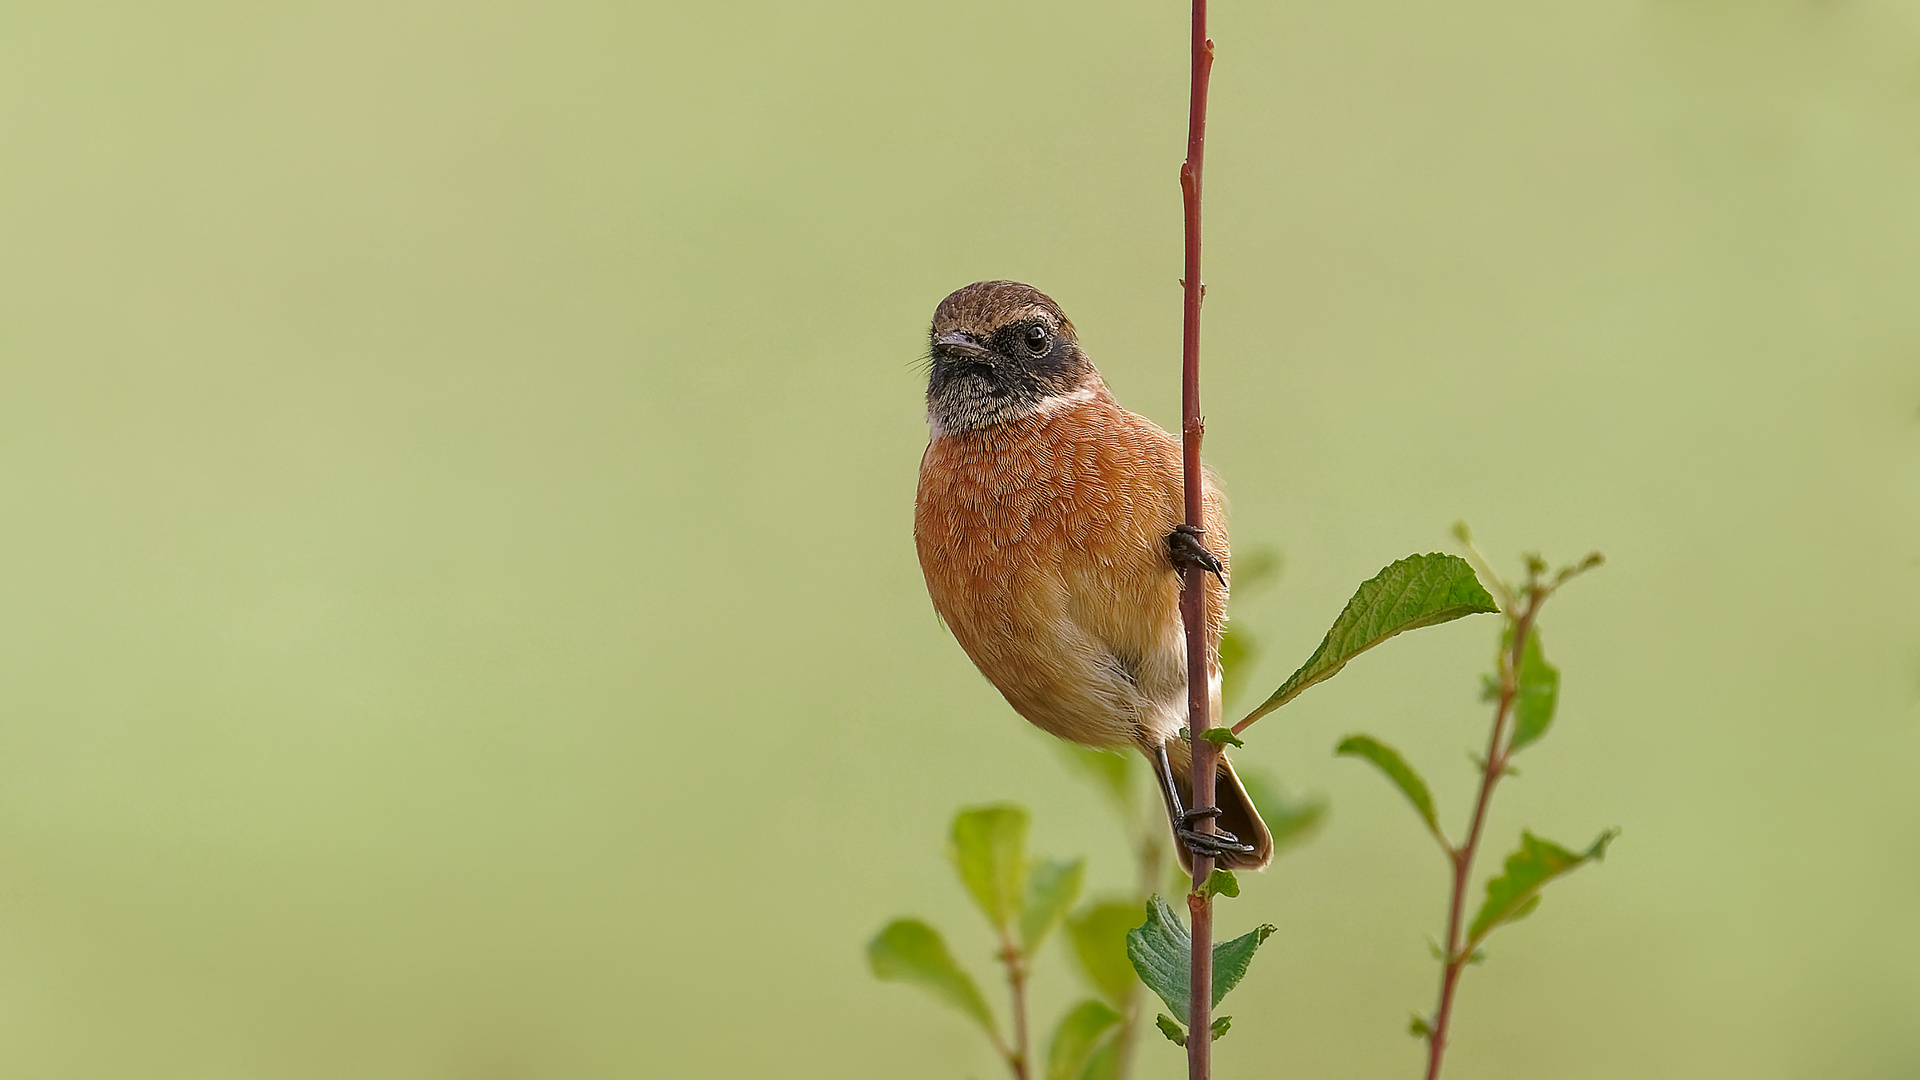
x=1050 y=529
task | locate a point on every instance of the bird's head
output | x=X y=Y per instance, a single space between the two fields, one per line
x=1000 y=350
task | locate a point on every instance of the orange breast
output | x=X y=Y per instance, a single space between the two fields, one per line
x=1043 y=542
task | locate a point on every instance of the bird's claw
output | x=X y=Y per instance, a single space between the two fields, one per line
x=1188 y=553
x=1212 y=845
x=1218 y=842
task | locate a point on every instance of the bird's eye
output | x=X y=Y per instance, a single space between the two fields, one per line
x=1037 y=338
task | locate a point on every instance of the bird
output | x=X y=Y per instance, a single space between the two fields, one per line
x=1049 y=524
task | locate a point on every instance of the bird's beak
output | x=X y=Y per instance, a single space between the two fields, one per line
x=958 y=346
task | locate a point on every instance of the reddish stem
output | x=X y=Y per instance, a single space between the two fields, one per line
x=1017 y=1055
x=1458 y=952
x=1193 y=588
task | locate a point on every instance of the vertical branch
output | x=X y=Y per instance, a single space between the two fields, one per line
x=1193 y=588
x=1458 y=954
x=1017 y=1055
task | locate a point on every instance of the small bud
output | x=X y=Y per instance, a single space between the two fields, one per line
x=1220 y=883
x=1175 y=1034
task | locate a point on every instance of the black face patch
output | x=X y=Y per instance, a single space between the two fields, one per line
x=1024 y=363
x=1053 y=368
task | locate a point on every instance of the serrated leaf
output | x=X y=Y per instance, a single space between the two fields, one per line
x=1171 y=1028
x=1417 y=591
x=1162 y=954
x=1052 y=887
x=1236 y=652
x=910 y=951
x=1078 y=1035
x=1098 y=934
x=1536 y=692
x=1290 y=822
x=1516 y=892
x=1220 y=883
x=1220 y=1026
x=990 y=852
x=1389 y=762
x=1232 y=958
x=1109 y=771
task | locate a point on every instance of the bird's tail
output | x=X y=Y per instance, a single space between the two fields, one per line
x=1238 y=814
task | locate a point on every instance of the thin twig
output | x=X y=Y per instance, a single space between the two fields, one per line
x=1016 y=1055
x=1459 y=953
x=1193 y=591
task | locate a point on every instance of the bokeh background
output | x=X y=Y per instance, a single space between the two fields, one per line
x=458 y=617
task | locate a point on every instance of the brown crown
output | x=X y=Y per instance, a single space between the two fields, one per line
x=985 y=306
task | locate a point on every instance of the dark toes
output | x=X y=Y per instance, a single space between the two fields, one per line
x=1186 y=552
x=1214 y=843
x=1199 y=812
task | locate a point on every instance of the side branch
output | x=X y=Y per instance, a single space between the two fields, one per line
x=1459 y=952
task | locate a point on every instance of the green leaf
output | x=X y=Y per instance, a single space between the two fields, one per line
x=1162 y=952
x=1489 y=690
x=1171 y=1028
x=1514 y=894
x=1389 y=761
x=1419 y=590
x=1080 y=1033
x=1237 y=651
x=1421 y=1026
x=1098 y=933
x=1220 y=883
x=1537 y=691
x=1232 y=958
x=990 y=851
x=1220 y=1026
x=1110 y=771
x=1104 y=1064
x=1052 y=887
x=1290 y=822
x=910 y=951
x=1220 y=736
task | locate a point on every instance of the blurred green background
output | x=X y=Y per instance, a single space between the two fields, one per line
x=456 y=465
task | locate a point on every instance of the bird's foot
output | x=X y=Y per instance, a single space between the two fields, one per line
x=1209 y=845
x=1186 y=552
